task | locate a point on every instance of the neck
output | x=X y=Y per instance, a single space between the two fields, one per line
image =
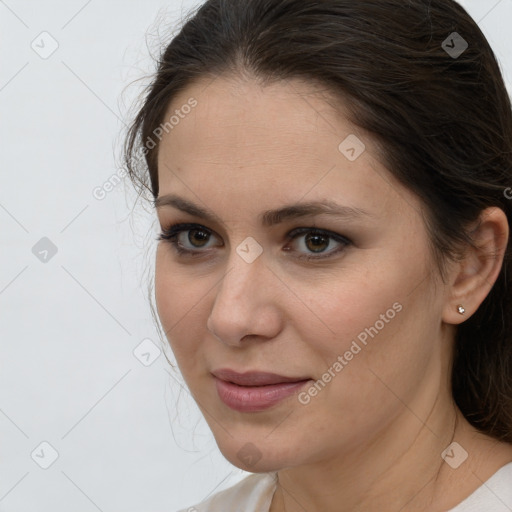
x=402 y=467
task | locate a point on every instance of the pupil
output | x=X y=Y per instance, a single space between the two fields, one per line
x=316 y=239
x=202 y=237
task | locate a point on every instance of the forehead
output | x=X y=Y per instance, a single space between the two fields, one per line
x=280 y=141
x=245 y=113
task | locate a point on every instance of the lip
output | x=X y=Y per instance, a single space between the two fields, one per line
x=254 y=378
x=254 y=391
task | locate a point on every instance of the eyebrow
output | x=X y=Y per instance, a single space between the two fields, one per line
x=270 y=217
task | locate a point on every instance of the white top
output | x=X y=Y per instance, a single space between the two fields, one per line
x=254 y=494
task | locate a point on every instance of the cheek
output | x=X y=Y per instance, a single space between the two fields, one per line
x=369 y=312
x=180 y=299
x=352 y=319
x=366 y=314
x=375 y=342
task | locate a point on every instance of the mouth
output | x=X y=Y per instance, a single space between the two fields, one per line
x=254 y=378
x=255 y=391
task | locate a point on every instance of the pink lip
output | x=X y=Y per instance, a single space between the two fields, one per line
x=254 y=391
x=254 y=378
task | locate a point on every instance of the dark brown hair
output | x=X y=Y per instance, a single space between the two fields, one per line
x=443 y=122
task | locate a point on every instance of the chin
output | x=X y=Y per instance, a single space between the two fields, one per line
x=257 y=456
x=263 y=465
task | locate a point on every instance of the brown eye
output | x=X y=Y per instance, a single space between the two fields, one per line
x=187 y=239
x=316 y=242
x=197 y=235
x=190 y=239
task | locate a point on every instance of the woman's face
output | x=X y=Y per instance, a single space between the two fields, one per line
x=359 y=318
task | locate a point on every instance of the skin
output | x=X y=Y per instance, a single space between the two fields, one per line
x=374 y=435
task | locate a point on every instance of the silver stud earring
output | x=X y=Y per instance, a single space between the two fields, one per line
x=460 y=309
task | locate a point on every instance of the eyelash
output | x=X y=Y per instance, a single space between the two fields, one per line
x=171 y=233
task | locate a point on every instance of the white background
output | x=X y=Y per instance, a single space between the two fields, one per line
x=128 y=436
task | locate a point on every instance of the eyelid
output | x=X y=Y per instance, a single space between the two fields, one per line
x=171 y=233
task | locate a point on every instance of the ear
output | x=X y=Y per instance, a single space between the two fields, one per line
x=475 y=274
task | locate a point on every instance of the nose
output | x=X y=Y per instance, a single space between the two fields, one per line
x=246 y=302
